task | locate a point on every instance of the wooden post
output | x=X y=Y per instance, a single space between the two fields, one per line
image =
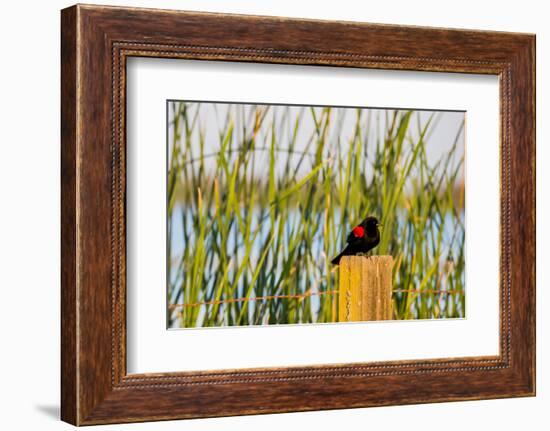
x=365 y=290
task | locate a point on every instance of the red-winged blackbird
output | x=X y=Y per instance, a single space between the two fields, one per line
x=361 y=239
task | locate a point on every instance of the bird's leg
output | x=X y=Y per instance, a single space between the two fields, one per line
x=362 y=254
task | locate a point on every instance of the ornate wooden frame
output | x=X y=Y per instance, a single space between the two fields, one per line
x=95 y=43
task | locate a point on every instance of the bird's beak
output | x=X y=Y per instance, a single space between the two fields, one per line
x=380 y=225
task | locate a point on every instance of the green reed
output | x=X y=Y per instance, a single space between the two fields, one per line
x=261 y=208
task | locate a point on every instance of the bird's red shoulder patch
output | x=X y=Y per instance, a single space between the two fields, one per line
x=358 y=232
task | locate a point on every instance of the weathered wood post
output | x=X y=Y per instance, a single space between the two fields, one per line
x=365 y=289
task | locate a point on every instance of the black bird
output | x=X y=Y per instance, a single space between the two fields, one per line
x=362 y=238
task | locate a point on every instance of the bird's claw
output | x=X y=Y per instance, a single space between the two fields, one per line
x=368 y=256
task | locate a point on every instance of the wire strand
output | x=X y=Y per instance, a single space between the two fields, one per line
x=256 y=298
x=301 y=296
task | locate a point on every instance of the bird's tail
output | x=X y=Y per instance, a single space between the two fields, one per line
x=336 y=260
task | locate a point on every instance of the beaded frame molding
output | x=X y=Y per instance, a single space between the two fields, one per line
x=95 y=43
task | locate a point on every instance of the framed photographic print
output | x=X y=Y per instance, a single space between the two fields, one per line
x=258 y=208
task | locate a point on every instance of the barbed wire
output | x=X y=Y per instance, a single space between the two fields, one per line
x=254 y=298
x=303 y=295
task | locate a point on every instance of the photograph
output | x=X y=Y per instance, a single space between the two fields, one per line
x=297 y=214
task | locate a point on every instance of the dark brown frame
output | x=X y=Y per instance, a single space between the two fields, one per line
x=95 y=43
